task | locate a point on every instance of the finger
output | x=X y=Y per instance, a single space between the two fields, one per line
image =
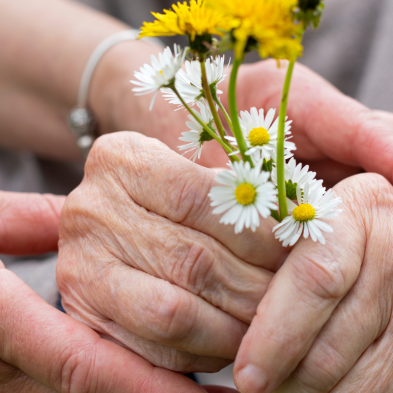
x=338 y=347
x=29 y=223
x=167 y=314
x=66 y=355
x=331 y=171
x=167 y=184
x=218 y=389
x=187 y=258
x=335 y=126
x=373 y=371
x=300 y=300
x=13 y=380
x=363 y=315
x=157 y=354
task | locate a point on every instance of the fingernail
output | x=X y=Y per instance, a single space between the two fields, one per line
x=251 y=379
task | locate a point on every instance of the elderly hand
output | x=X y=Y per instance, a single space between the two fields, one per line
x=155 y=294
x=335 y=134
x=142 y=259
x=43 y=350
x=339 y=136
x=325 y=323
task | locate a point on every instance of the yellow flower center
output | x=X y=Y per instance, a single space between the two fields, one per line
x=258 y=136
x=245 y=194
x=303 y=213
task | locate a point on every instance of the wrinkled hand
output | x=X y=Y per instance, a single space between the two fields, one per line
x=335 y=134
x=142 y=259
x=325 y=323
x=43 y=350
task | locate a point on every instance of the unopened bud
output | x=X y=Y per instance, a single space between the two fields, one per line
x=305 y=5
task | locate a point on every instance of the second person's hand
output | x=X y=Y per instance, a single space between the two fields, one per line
x=325 y=322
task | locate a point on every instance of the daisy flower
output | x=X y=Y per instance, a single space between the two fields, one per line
x=189 y=82
x=295 y=176
x=313 y=204
x=161 y=72
x=260 y=134
x=244 y=195
x=197 y=136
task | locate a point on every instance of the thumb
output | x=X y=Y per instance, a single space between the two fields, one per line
x=29 y=223
x=67 y=356
x=301 y=298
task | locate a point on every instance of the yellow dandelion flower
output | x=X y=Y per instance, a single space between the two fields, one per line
x=268 y=22
x=192 y=20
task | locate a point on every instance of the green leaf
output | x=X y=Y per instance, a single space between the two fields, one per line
x=291 y=190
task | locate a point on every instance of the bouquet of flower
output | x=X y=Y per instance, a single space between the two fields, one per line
x=264 y=178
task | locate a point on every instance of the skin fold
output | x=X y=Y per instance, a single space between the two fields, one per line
x=196 y=287
x=43 y=350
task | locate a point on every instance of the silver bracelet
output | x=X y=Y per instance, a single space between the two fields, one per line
x=81 y=119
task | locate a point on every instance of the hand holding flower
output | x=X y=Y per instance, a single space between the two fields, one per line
x=324 y=324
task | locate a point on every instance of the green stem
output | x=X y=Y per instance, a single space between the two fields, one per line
x=210 y=101
x=227 y=149
x=224 y=112
x=234 y=114
x=281 y=186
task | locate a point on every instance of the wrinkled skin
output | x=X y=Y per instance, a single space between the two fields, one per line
x=43 y=350
x=325 y=321
x=335 y=134
x=143 y=261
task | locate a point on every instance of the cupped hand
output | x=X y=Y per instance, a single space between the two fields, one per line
x=43 y=350
x=325 y=323
x=142 y=259
x=336 y=135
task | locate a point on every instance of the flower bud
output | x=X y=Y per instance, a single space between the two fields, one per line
x=305 y=5
x=309 y=12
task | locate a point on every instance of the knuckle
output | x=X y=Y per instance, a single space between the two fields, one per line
x=324 y=371
x=109 y=152
x=192 y=265
x=100 y=152
x=74 y=374
x=188 y=196
x=319 y=277
x=377 y=189
x=368 y=189
x=172 y=315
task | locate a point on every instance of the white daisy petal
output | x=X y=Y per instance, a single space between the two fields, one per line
x=224 y=207
x=306 y=231
x=282 y=223
x=162 y=72
x=322 y=225
x=313 y=203
x=189 y=82
x=265 y=147
x=194 y=136
x=232 y=216
x=296 y=236
x=246 y=192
